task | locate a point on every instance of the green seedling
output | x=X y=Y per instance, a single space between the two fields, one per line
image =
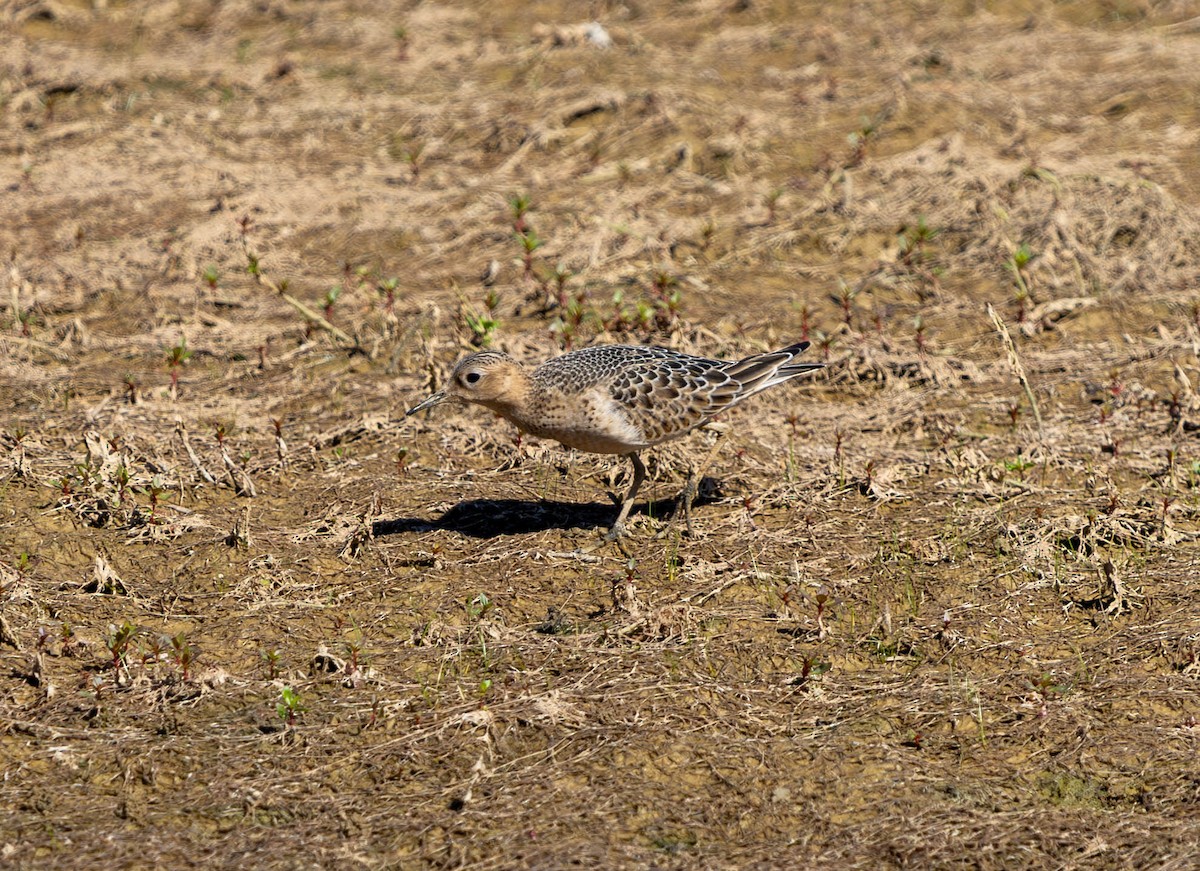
x=569 y=320
x=26 y=319
x=1019 y=464
x=483 y=328
x=643 y=314
x=491 y=300
x=560 y=275
x=1017 y=264
x=271 y=658
x=810 y=667
x=289 y=706
x=859 y=141
x=410 y=153
x=122 y=478
x=805 y=321
x=154 y=650
x=618 y=321
x=519 y=205
x=387 y=289
x=825 y=343
x=913 y=241
x=117 y=642
x=479 y=606
x=331 y=298
x=845 y=299
x=153 y=490
x=182 y=654
x=529 y=243
x=662 y=281
x=177 y=356
x=210 y=276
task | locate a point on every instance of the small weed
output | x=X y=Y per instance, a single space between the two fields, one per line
x=859 y=141
x=410 y=153
x=913 y=242
x=182 y=654
x=387 y=290
x=570 y=319
x=177 y=356
x=519 y=205
x=560 y=275
x=117 y=642
x=331 y=298
x=1014 y=416
x=478 y=606
x=662 y=281
x=25 y=560
x=529 y=243
x=280 y=288
x=805 y=321
x=289 y=706
x=491 y=301
x=810 y=667
x=483 y=328
x=27 y=318
x=1017 y=264
x=153 y=491
x=1019 y=464
x=271 y=658
x=845 y=300
x=825 y=342
x=1046 y=688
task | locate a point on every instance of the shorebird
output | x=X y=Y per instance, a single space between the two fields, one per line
x=615 y=399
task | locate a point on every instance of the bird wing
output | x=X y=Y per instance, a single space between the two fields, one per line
x=665 y=394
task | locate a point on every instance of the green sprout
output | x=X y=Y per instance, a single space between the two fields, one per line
x=289 y=707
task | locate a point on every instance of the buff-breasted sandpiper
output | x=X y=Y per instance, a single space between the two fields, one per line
x=615 y=399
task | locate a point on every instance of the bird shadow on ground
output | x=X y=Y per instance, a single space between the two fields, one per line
x=489 y=518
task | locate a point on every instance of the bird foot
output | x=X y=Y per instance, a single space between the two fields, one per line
x=618 y=530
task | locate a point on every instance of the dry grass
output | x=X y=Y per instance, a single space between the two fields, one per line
x=248 y=613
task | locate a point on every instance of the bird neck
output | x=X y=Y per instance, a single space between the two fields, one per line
x=518 y=399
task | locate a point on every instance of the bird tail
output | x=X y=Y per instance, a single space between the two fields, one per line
x=757 y=373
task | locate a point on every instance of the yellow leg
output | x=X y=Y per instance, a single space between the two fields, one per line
x=639 y=475
x=695 y=475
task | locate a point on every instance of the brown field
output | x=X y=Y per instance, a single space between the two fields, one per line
x=942 y=606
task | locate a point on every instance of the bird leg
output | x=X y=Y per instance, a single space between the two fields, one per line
x=639 y=475
x=695 y=476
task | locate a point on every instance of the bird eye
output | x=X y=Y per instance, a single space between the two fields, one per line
x=473 y=377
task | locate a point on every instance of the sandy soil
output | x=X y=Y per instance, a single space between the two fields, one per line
x=941 y=609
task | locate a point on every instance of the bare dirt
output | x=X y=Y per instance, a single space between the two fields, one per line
x=942 y=608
